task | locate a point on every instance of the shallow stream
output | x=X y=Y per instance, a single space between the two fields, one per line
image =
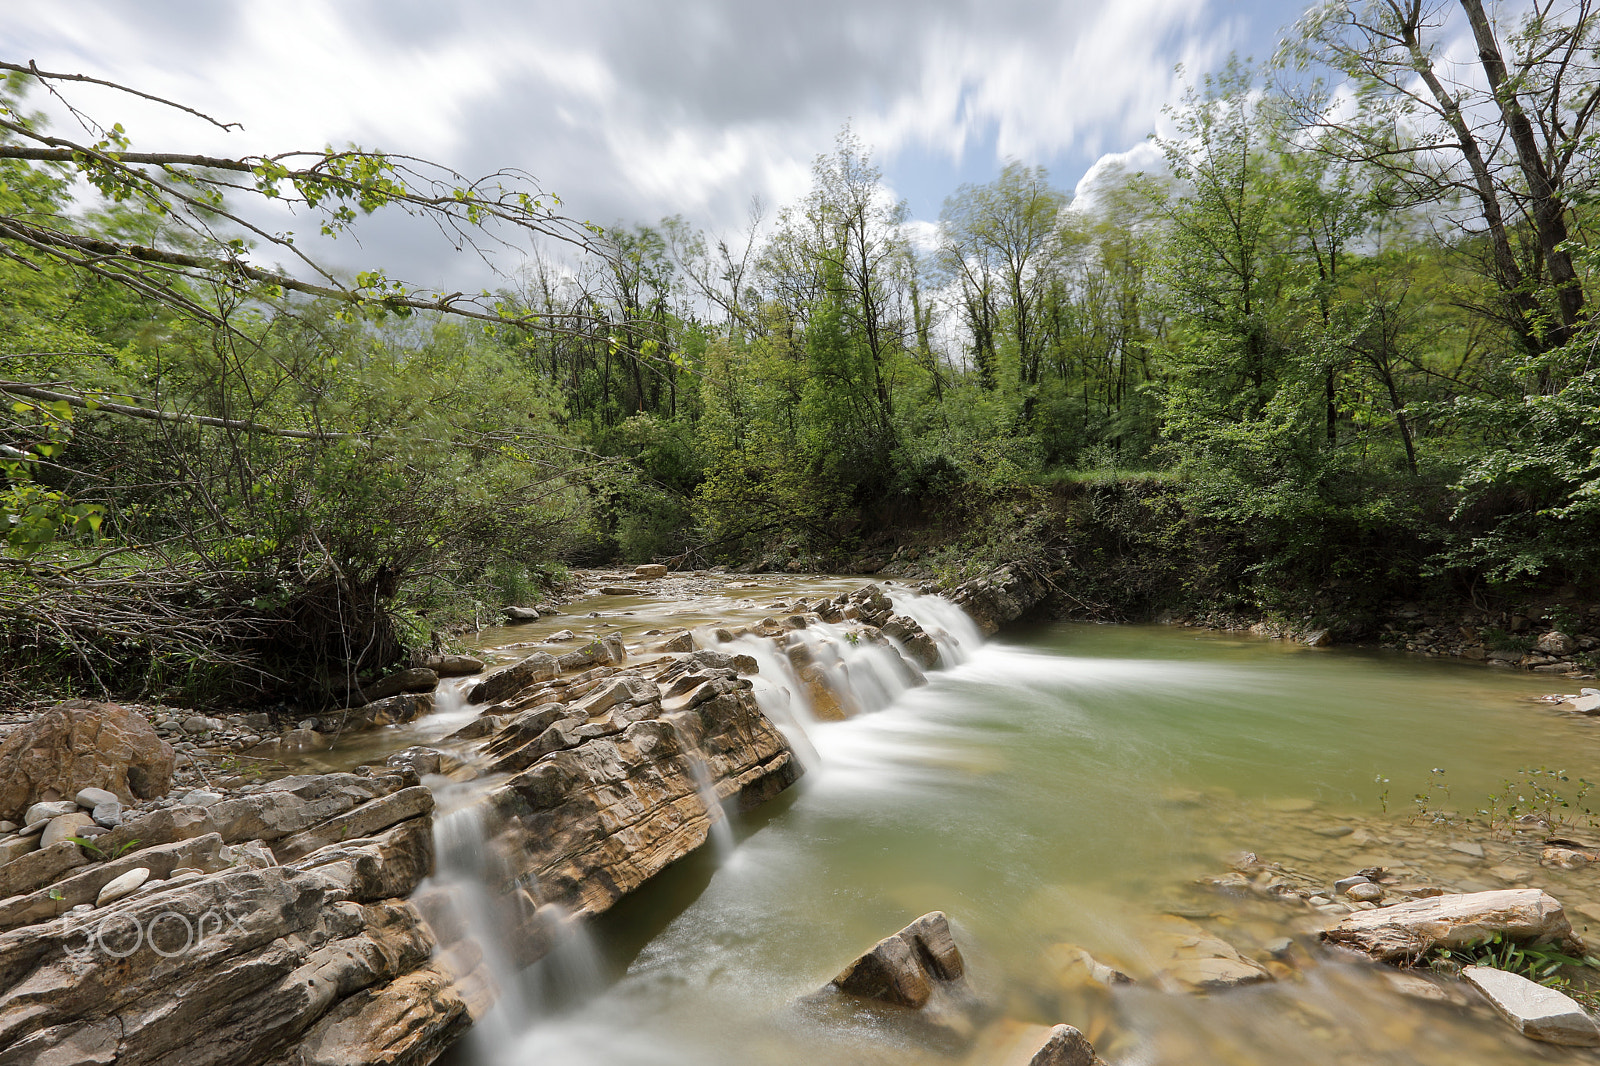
x=1066 y=785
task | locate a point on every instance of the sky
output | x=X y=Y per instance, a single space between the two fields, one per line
x=633 y=111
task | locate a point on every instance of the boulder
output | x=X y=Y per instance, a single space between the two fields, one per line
x=1409 y=930
x=453 y=665
x=391 y=710
x=1556 y=642
x=1536 y=1011
x=503 y=684
x=680 y=642
x=415 y=679
x=650 y=571
x=1000 y=597
x=620 y=590
x=79 y=745
x=518 y=615
x=903 y=970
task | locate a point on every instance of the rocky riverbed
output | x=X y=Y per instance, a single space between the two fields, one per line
x=248 y=888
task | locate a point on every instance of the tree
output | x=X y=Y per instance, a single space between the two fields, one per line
x=291 y=469
x=1516 y=147
x=1000 y=236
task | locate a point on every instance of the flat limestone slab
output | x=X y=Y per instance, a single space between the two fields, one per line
x=1452 y=921
x=1537 y=1012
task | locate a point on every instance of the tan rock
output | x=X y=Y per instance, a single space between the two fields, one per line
x=1408 y=930
x=903 y=969
x=64 y=827
x=79 y=745
x=1188 y=958
x=503 y=684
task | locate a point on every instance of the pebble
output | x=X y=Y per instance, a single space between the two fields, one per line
x=67 y=825
x=1471 y=848
x=9 y=827
x=200 y=724
x=34 y=828
x=90 y=798
x=1365 y=893
x=108 y=814
x=44 y=812
x=1334 y=831
x=200 y=797
x=125 y=885
x=1344 y=884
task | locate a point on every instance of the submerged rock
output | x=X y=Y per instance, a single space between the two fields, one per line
x=1536 y=1011
x=1408 y=930
x=1190 y=959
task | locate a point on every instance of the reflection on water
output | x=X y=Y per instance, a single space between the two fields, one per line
x=1069 y=788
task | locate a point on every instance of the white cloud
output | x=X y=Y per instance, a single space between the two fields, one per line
x=632 y=111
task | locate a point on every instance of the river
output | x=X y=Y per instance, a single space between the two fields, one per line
x=1062 y=787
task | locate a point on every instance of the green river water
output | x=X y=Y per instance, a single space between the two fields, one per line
x=1069 y=785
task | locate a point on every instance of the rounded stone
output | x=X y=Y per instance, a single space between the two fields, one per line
x=124 y=885
x=90 y=798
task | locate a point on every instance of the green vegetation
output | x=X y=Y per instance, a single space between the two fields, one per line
x=1338 y=350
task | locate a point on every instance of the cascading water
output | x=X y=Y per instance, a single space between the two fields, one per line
x=720 y=832
x=457 y=903
x=1065 y=791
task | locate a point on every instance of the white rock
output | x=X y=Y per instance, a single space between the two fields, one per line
x=43 y=812
x=199 y=797
x=124 y=885
x=1452 y=921
x=1537 y=1012
x=90 y=798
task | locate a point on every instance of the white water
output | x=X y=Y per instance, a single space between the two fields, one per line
x=456 y=899
x=720 y=829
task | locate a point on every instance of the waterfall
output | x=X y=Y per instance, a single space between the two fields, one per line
x=720 y=831
x=456 y=901
x=956 y=634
